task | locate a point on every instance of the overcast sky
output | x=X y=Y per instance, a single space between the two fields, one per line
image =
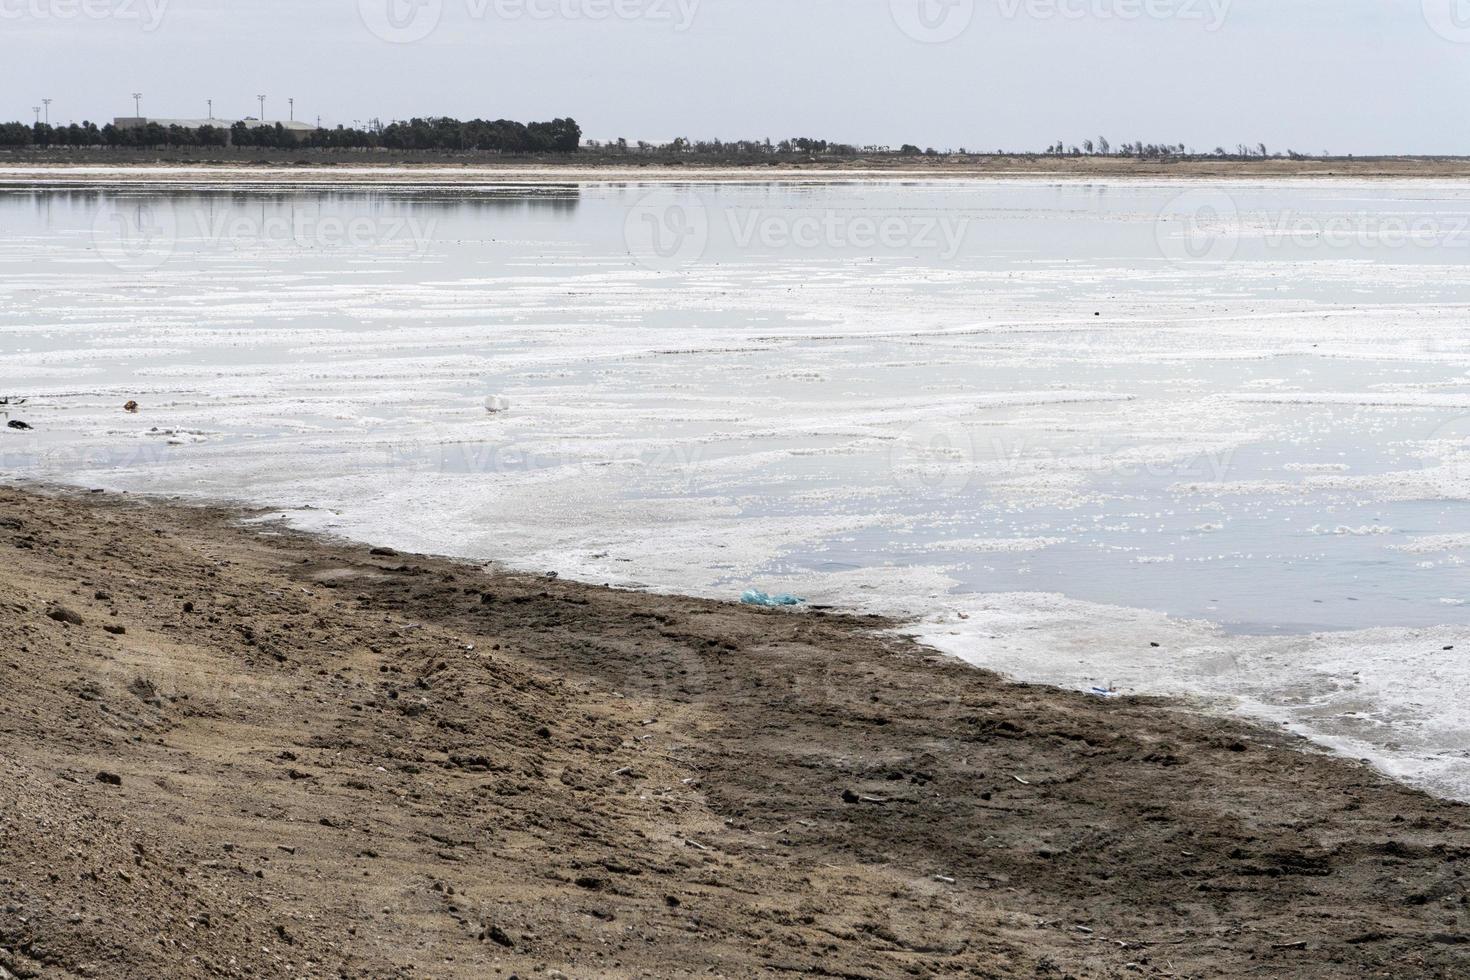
x=1350 y=76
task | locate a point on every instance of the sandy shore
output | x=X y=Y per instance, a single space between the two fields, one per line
x=231 y=750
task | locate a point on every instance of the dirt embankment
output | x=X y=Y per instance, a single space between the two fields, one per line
x=229 y=751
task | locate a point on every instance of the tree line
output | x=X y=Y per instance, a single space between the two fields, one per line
x=803 y=146
x=444 y=134
x=1167 y=151
x=501 y=135
x=682 y=146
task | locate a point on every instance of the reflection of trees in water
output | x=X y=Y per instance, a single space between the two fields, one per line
x=556 y=200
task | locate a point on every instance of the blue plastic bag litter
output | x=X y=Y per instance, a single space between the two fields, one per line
x=755 y=597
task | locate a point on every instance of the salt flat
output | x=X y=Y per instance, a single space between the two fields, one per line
x=1056 y=421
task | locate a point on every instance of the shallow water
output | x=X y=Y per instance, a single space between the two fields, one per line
x=1059 y=421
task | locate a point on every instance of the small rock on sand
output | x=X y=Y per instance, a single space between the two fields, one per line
x=64 y=615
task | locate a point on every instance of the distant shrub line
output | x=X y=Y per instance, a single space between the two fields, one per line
x=444 y=134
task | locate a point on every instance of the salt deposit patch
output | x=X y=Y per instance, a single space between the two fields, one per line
x=1435 y=542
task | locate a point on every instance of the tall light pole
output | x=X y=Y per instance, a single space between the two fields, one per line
x=292 y=104
x=262 y=107
x=137 y=105
x=47 y=110
x=37 y=110
x=210 y=103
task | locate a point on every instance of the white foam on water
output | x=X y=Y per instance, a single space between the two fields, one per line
x=1431 y=543
x=1404 y=399
x=1390 y=696
x=982 y=546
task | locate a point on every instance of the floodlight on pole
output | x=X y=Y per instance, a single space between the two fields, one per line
x=292 y=104
x=262 y=107
x=210 y=103
x=47 y=110
x=138 y=105
x=37 y=110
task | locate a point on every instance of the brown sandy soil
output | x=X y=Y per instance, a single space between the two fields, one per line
x=322 y=761
x=306 y=168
